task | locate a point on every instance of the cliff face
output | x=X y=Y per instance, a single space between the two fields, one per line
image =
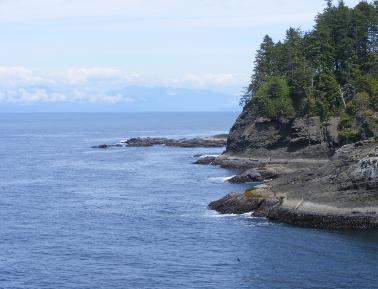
x=298 y=137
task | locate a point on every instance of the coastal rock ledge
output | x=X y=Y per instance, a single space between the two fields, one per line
x=302 y=214
x=339 y=193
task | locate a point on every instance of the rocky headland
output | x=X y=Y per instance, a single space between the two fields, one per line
x=309 y=126
x=301 y=170
x=308 y=176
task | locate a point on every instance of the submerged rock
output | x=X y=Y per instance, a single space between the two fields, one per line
x=105 y=146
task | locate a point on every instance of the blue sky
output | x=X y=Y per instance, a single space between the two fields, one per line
x=68 y=51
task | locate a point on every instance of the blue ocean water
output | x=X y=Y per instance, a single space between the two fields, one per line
x=76 y=217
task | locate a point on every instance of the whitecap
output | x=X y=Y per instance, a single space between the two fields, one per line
x=205 y=156
x=248 y=215
x=215 y=214
x=220 y=179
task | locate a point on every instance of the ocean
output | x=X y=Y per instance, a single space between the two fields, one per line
x=76 y=217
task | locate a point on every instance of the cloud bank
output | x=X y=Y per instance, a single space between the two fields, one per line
x=22 y=86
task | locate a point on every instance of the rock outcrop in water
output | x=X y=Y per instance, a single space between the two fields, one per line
x=214 y=141
x=207 y=142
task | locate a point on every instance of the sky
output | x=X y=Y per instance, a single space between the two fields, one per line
x=90 y=51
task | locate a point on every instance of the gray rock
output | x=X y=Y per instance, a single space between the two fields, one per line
x=264 y=137
x=208 y=160
x=341 y=193
x=235 y=203
x=365 y=173
x=207 y=142
x=216 y=141
x=232 y=163
x=321 y=220
x=248 y=176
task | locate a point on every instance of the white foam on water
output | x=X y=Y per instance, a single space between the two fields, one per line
x=215 y=214
x=220 y=179
x=248 y=215
x=205 y=156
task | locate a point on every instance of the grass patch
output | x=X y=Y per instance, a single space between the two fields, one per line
x=250 y=193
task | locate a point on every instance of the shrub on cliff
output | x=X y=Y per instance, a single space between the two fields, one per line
x=349 y=135
x=273 y=99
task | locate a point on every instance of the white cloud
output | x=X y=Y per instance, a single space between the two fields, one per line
x=27 y=95
x=19 y=75
x=215 y=79
x=79 y=75
x=22 y=85
x=19 y=72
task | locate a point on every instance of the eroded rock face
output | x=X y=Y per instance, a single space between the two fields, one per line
x=248 y=176
x=207 y=160
x=260 y=173
x=240 y=203
x=306 y=137
x=321 y=220
x=365 y=173
x=269 y=206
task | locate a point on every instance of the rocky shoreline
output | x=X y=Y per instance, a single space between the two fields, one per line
x=340 y=192
x=336 y=193
x=311 y=174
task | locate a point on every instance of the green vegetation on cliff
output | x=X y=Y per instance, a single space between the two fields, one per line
x=329 y=71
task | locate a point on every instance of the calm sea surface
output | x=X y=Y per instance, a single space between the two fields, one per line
x=75 y=217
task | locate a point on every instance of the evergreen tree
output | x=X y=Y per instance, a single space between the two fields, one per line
x=265 y=67
x=329 y=71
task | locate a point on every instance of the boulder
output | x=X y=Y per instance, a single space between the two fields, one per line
x=208 y=160
x=248 y=176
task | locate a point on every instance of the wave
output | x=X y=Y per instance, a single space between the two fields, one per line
x=250 y=221
x=220 y=179
x=205 y=156
x=215 y=214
